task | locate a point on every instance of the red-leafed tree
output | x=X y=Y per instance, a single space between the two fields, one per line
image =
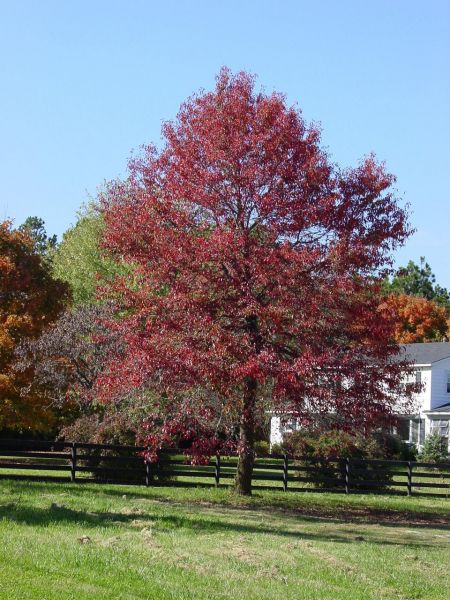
x=256 y=275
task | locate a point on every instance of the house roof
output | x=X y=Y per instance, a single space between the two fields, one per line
x=444 y=408
x=424 y=354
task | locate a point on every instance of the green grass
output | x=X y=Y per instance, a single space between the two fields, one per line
x=63 y=541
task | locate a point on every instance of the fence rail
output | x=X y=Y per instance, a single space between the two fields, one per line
x=104 y=463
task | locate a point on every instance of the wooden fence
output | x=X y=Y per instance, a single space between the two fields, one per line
x=104 y=463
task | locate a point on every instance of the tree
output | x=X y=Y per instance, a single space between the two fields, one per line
x=80 y=259
x=30 y=300
x=44 y=245
x=257 y=267
x=65 y=361
x=435 y=448
x=418 y=280
x=67 y=357
x=416 y=319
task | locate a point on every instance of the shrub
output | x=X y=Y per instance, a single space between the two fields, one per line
x=114 y=430
x=383 y=445
x=277 y=449
x=262 y=448
x=117 y=430
x=323 y=450
x=327 y=445
x=434 y=448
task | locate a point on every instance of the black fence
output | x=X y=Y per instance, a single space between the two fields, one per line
x=104 y=463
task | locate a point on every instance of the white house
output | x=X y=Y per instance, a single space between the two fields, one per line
x=432 y=369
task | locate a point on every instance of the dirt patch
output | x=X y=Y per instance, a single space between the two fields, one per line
x=132 y=511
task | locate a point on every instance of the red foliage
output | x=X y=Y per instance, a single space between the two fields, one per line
x=256 y=270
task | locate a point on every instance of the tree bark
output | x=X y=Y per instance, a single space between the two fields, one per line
x=246 y=459
x=244 y=471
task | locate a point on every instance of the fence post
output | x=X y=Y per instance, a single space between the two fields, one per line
x=148 y=470
x=347 y=476
x=73 y=461
x=217 y=470
x=285 y=472
x=409 y=479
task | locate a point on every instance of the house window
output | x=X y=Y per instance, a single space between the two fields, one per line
x=416 y=431
x=441 y=427
x=421 y=431
x=419 y=378
x=414 y=425
x=448 y=383
x=403 y=430
x=290 y=425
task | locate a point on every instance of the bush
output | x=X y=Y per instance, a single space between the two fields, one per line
x=327 y=445
x=277 y=449
x=323 y=449
x=115 y=430
x=382 y=445
x=434 y=448
x=262 y=448
x=320 y=450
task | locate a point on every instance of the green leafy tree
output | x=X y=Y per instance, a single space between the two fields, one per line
x=418 y=280
x=44 y=245
x=434 y=448
x=79 y=259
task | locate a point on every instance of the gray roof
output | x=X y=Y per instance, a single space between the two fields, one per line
x=425 y=354
x=444 y=408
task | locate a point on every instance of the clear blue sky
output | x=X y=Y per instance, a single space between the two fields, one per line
x=83 y=83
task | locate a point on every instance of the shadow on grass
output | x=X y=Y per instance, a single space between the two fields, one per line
x=311 y=510
x=314 y=511
x=208 y=524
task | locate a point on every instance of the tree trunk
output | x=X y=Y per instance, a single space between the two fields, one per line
x=246 y=460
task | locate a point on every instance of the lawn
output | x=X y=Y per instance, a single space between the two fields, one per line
x=61 y=541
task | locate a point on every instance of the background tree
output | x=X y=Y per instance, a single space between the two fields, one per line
x=80 y=259
x=63 y=362
x=256 y=279
x=67 y=357
x=418 y=280
x=420 y=306
x=44 y=245
x=66 y=360
x=30 y=300
x=417 y=319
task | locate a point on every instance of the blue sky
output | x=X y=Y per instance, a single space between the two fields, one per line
x=84 y=83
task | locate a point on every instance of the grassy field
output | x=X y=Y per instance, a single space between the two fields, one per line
x=61 y=541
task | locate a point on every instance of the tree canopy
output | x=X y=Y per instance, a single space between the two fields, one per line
x=418 y=280
x=43 y=244
x=417 y=319
x=419 y=305
x=257 y=271
x=30 y=300
x=80 y=259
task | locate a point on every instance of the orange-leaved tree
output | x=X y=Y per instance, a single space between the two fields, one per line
x=30 y=299
x=416 y=319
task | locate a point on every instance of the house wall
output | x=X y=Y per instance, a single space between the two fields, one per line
x=422 y=400
x=439 y=394
x=433 y=394
x=276 y=433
